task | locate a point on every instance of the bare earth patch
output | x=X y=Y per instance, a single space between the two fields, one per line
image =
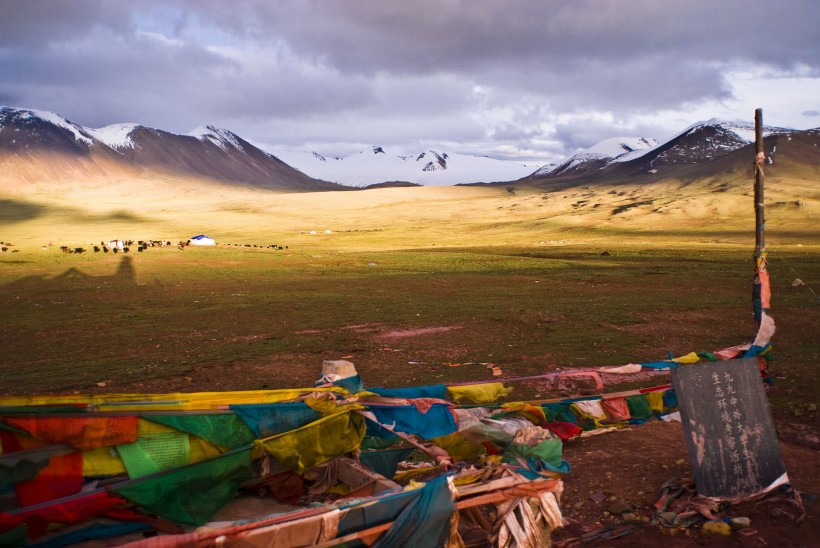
x=403 y=333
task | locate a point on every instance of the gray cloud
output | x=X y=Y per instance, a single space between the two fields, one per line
x=528 y=75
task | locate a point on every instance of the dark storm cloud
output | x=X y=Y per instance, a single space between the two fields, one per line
x=38 y=24
x=520 y=73
x=425 y=35
x=481 y=35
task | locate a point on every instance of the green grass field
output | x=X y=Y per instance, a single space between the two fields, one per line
x=523 y=280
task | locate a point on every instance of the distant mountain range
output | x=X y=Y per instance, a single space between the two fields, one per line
x=428 y=168
x=38 y=146
x=717 y=153
x=696 y=144
x=616 y=149
x=41 y=148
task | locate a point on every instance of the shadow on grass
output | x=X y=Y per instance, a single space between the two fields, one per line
x=124 y=276
x=18 y=211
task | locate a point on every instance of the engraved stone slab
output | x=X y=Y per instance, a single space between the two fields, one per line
x=728 y=427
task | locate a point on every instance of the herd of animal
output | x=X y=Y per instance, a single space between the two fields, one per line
x=125 y=246
x=116 y=246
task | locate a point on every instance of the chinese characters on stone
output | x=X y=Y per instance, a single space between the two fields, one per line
x=740 y=457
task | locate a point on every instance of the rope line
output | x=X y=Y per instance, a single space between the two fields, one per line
x=797 y=274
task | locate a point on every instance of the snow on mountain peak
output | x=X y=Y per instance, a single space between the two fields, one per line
x=222 y=138
x=545 y=170
x=116 y=135
x=433 y=161
x=80 y=133
x=617 y=146
x=745 y=131
x=432 y=168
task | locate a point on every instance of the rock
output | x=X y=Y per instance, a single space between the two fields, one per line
x=342 y=368
x=740 y=523
x=629 y=516
x=597 y=497
x=619 y=507
x=810 y=440
x=668 y=519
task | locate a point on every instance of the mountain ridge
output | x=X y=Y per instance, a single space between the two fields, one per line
x=40 y=148
x=41 y=137
x=376 y=165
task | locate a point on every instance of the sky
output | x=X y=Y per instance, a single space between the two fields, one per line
x=528 y=80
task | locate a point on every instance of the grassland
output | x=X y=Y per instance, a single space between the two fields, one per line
x=414 y=285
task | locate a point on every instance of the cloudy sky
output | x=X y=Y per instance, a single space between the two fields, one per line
x=534 y=80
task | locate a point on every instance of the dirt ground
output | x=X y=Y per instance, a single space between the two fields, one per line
x=616 y=481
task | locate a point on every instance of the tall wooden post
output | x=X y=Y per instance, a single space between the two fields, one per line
x=760 y=234
x=760 y=292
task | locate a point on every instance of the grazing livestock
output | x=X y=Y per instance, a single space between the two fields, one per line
x=96 y=249
x=4 y=249
x=64 y=249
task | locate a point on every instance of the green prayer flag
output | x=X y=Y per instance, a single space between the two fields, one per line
x=547 y=455
x=639 y=407
x=152 y=453
x=194 y=493
x=225 y=429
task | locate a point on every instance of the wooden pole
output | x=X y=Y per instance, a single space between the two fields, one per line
x=760 y=289
x=760 y=234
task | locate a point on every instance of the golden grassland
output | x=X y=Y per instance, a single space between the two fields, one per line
x=660 y=213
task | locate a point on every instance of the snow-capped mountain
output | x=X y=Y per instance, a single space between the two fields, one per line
x=41 y=147
x=706 y=141
x=614 y=149
x=116 y=136
x=375 y=165
x=31 y=140
x=701 y=142
x=222 y=138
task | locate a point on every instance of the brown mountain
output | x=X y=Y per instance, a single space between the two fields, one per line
x=39 y=148
x=704 y=154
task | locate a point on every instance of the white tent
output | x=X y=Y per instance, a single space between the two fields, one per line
x=202 y=240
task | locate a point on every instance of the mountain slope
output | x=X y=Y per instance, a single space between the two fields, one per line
x=38 y=147
x=699 y=143
x=616 y=149
x=792 y=168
